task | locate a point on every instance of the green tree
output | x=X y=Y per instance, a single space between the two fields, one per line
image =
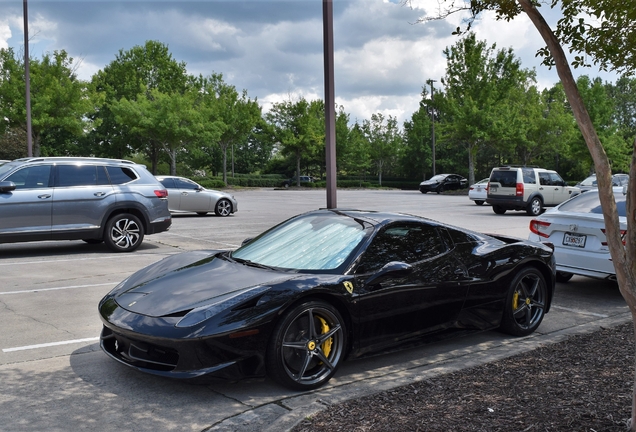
x=167 y=122
x=133 y=73
x=59 y=100
x=478 y=83
x=235 y=114
x=299 y=129
x=385 y=142
x=417 y=155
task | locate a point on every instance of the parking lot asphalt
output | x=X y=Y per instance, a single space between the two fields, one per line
x=54 y=377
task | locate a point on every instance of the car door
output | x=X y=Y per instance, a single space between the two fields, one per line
x=81 y=197
x=451 y=182
x=546 y=188
x=193 y=198
x=26 y=211
x=400 y=307
x=561 y=192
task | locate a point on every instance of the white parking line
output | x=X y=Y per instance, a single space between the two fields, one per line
x=46 y=345
x=581 y=312
x=101 y=257
x=59 y=288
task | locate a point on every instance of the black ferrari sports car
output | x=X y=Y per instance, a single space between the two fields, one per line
x=298 y=299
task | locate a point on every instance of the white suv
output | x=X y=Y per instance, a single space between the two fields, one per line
x=526 y=188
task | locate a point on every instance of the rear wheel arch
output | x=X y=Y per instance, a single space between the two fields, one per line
x=130 y=209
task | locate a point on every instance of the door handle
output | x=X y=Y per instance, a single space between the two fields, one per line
x=44 y=196
x=99 y=194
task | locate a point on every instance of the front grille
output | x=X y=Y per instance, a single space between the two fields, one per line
x=138 y=353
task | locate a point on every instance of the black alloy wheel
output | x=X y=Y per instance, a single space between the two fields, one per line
x=525 y=303
x=307 y=346
x=124 y=233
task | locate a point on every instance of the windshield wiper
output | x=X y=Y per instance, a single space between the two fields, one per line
x=252 y=263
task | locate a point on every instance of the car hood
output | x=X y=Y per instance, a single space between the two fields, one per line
x=188 y=280
x=429 y=182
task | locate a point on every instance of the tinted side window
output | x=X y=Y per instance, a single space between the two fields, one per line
x=505 y=178
x=544 y=179
x=556 y=179
x=80 y=175
x=528 y=176
x=168 y=183
x=120 y=175
x=183 y=184
x=31 y=177
x=407 y=243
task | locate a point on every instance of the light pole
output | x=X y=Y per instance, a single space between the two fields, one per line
x=27 y=79
x=431 y=81
x=330 y=104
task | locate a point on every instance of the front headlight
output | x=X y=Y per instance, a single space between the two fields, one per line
x=200 y=314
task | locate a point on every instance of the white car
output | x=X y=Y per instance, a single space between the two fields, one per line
x=479 y=191
x=577 y=230
x=184 y=195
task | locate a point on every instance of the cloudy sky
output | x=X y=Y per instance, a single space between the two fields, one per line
x=271 y=48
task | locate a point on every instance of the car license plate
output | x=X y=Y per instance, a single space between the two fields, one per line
x=577 y=240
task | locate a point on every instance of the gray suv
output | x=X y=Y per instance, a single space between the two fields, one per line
x=72 y=198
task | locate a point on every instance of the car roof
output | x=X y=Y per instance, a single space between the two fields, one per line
x=56 y=159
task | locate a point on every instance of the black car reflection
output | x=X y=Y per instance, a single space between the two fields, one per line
x=441 y=182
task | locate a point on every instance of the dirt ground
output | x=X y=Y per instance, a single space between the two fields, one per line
x=581 y=384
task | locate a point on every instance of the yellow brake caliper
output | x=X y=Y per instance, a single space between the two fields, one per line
x=326 y=345
x=515 y=300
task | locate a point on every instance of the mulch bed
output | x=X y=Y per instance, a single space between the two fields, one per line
x=584 y=383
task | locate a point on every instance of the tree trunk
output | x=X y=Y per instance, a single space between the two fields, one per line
x=623 y=256
x=297 y=167
x=173 y=161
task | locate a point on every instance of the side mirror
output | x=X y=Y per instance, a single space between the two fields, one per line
x=391 y=269
x=7 y=186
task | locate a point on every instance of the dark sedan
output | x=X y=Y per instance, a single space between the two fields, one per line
x=441 y=182
x=320 y=287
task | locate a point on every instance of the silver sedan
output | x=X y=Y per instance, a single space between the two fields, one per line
x=184 y=195
x=577 y=230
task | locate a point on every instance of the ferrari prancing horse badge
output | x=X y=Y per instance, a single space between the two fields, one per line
x=349 y=286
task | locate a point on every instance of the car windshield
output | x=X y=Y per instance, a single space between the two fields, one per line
x=590 y=181
x=589 y=202
x=5 y=168
x=309 y=242
x=438 y=177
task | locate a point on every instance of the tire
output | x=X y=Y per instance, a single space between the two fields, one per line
x=525 y=303
x=479 y=202
x=124 y=233
x=92 y=241
x=307 y=346
x=202 y=213
x=498 y=209
x=440 y=189
x=223 y=208
x=535 y=207
x=563 y=277
x=423 y=191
